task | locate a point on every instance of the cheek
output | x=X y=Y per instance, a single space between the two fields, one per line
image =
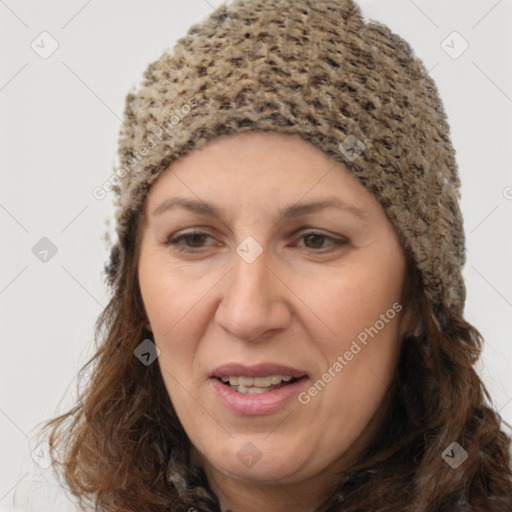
x=168 y=298
x=170 y=305
x=362 y=308
x=354 y=301
x=171 y=314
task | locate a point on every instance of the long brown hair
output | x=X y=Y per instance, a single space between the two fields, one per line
x=122 y=447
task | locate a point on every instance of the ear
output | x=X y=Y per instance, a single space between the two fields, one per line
x=148 y=327
x=409 y=324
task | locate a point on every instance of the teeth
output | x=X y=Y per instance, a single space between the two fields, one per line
x=233 y=381
x=257 y=382
x=252 y=391
x=245 y=381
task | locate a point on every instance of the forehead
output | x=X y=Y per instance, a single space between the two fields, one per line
x=248 y=167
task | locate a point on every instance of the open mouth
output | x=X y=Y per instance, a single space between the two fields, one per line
x=257 y=385
x=259 y=389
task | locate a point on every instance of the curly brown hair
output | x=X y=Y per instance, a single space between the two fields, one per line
x=122 y=447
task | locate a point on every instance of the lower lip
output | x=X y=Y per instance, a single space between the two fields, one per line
x=262 y=403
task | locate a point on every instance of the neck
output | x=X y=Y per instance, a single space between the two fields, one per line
x=242 y=496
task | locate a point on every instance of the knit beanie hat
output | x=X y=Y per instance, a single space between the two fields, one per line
x=314 y=68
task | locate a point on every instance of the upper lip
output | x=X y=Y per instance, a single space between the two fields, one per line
x=258 y=370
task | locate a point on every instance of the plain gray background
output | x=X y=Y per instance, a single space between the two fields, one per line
x=60 y=119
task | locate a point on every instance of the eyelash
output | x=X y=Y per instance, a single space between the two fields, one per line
x=175 y=240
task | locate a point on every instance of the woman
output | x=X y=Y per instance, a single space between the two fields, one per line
x=286 y=324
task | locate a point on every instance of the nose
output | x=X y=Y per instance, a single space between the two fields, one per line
x=254 y=300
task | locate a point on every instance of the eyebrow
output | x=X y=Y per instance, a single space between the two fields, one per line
x=295 y=210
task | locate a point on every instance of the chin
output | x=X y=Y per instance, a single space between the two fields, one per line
x=264 y=464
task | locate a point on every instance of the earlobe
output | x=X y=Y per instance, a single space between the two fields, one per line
x=409 y=324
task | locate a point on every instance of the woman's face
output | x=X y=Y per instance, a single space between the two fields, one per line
x=307 y=301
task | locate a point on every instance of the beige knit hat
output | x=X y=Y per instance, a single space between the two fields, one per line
x=353 y=89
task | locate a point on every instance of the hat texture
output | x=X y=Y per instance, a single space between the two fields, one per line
x=313 y=68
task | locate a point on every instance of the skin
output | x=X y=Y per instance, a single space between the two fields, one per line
x=301 y=303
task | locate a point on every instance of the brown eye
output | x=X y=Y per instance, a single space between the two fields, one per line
x=194 y=240
x=316 y=240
